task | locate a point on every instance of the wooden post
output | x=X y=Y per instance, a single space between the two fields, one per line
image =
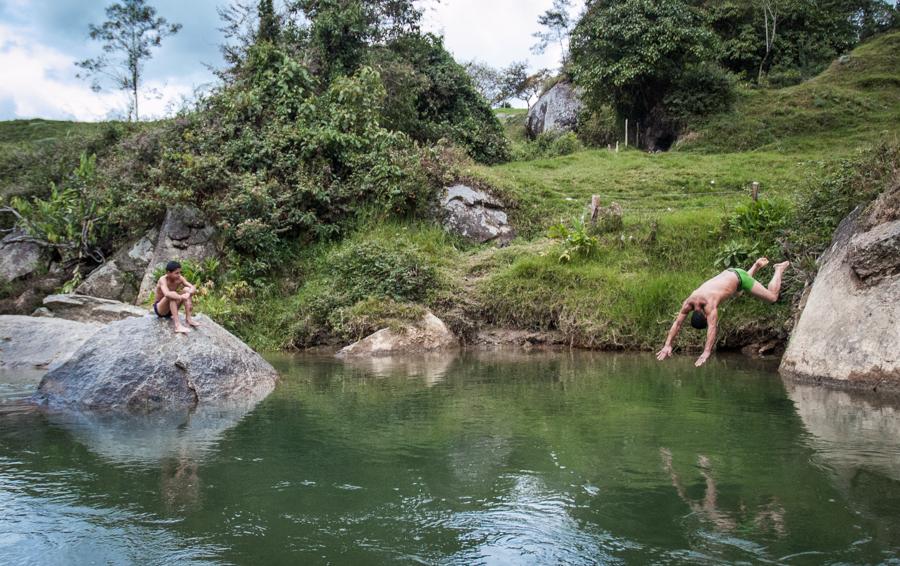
x=754 y=191
x=595 y=208
x=617 y=146
x=637 y=135
x=626 y=132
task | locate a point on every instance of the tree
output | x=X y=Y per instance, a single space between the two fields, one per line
x=557 y=25
x=518 y=83
x=771 y=9
x=129 y=32
x=630 y=53
x=269 y=27
x=488 y=81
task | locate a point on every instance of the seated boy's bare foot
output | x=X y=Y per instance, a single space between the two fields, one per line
x=182 y=330
x=194 y=323
x=783 y=265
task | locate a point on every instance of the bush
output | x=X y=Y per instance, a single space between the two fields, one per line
x=577 y=242
x=597 y=128
x=371 y=269
x=702 y=90
x=784 y=78
x=549 y=144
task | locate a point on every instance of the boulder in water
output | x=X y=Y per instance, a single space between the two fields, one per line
x=428 y=334
x=140 y=364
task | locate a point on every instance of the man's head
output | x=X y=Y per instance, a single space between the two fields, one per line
x=173 y=268
x=698 y=320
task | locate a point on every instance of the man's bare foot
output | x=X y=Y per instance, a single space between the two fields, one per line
x=783 y=265
x=181 y=330
x=193 y=323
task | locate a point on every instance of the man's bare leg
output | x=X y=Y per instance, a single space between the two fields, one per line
x=770 y=294
x=189 y=312
x=178 y=326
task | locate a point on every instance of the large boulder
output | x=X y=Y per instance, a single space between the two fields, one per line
x=38 y=343
x=427 y=335
x=120 y=278
x=185 y=235
x=17 y=258
x=848 y=334
x=140 y=364
x=556 y=111
x=82 y=308
x=475 y=215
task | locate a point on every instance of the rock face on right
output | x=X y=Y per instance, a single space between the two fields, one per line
x=140 y=364
x=427 y=335
x=848 y=334
x=556 y=111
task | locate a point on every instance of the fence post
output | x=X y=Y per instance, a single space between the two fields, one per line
x=754 y=191
x=626 y=132
x=595 y=208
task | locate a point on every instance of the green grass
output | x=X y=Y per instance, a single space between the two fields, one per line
x=37 y=130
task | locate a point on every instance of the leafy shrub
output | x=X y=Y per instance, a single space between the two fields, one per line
x=760 y=219
x=702 y=90
x=549 y=144
x=597 y=127
x=71 y=220
x=371 y=269
x=737 y=253
x=577 y=242
x=784 y=78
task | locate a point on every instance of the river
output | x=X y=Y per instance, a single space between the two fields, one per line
x=481 y=458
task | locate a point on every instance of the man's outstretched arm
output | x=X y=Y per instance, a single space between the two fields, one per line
x=712 y=320
x=673 y=332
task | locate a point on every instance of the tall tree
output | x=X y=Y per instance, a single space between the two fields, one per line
x=269 y=28
x=129 y=32
x=488 y=81
x=630 y=53
x=518 y=83
x=556 y=24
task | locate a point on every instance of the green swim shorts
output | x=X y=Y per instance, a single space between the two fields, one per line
x=746 y=280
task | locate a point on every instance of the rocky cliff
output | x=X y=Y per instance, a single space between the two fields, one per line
x=848 y=334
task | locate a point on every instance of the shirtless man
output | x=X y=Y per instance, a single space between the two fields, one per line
x=167 y=300
x=704 y=302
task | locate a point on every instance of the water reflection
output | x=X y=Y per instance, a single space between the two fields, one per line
x=856 y=438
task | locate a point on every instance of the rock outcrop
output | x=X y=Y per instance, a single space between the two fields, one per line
x=39 y=343
x=139 y=364
x=82 y=308
x=17 y=258
x=848 y=334
x=556 y=111
x=185 y=235
x=120 y=278
x=475 y=215
x=427 y=335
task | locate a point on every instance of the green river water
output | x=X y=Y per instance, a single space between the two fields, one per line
x=488 y=458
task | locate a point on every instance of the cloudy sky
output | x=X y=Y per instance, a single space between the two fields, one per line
x=40 y=40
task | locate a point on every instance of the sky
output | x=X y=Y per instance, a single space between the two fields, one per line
x=40 y=41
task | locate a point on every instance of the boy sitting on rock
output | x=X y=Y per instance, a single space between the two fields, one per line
x=167 y=300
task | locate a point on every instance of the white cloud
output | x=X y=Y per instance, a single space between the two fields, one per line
x=497 y=32
x=40 y=82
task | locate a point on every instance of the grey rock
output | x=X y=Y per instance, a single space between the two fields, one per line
x=140 y=364
x=428 y=334
x=28 y=342
x=556 y=111
x=185 y=235
x=120 y=277
x=475 y=215
x=875 y=254
x=42 y=312
x=848 y=334
x=83 y=308
x=17 y=259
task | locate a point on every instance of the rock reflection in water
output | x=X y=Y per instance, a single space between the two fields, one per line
x=857 y=438
x=175 y=442
x=430 y=367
